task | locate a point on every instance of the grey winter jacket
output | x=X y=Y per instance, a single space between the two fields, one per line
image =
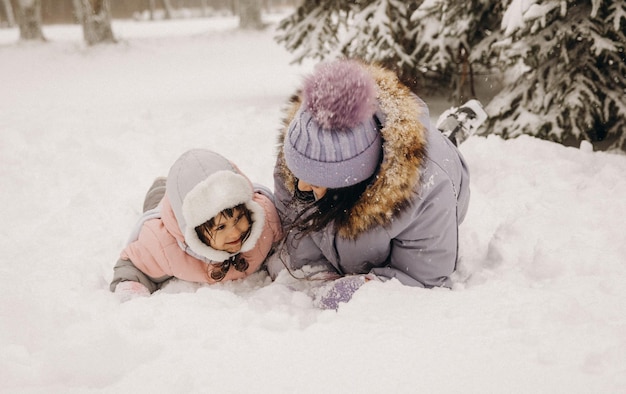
x=405 y=225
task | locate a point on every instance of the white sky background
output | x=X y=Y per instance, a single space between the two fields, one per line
x=540 y=300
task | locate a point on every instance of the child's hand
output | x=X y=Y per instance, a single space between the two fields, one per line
x=128 y=290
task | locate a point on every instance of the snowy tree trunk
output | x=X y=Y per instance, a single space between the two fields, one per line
x=250 y=14
x=30 y=20
x=78 y=10
x=152 y=8
x=96 y=21
x=167 y=6
x=465 y=85
x=168 y=9
x=8 y=10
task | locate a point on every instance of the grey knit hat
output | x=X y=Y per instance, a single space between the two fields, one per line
x=333 y=140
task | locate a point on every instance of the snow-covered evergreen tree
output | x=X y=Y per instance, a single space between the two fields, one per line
x=312 y=31
x=564 y=59
x=571 y=79
x=381 y=31
x=427 y=42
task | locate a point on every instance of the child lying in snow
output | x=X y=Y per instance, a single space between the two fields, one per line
x=205 y=223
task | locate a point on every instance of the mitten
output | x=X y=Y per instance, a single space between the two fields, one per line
x=341 y=290
x=129 y=289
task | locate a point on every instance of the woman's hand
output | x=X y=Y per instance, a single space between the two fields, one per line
x=330 y=295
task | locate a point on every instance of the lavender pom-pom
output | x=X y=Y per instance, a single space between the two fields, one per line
x=340 y=94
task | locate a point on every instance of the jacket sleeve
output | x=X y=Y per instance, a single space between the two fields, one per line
x=424 y=250
x=424 y=246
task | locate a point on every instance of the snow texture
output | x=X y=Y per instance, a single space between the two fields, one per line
x=539 y=304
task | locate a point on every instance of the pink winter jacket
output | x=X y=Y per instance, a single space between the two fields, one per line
x=157 y=253
x=200 y=185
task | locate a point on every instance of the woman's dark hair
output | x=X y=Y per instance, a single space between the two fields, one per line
x=335 y=206
x=204 y=230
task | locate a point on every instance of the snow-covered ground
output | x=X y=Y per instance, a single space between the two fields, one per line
x=540 y=300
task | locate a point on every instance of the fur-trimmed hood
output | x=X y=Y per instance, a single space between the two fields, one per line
x=200 y=185
x=404 y=150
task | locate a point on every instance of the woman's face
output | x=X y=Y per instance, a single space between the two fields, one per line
x=318 y=191
x=228 y=233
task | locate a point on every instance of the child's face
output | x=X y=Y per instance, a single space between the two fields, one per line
x=228 y=233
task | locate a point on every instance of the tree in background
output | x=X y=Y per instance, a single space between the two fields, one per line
x=566 y=64
x=166 y=6
x=249 y=12
x=462 y=28
x=378 y=30
x=7 y=9
x=29 y=20
x=95 y=16
x=564 y=59
x=426 y=42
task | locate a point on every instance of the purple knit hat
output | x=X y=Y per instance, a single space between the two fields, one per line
x=333 y=140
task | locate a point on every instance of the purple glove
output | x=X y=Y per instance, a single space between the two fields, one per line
x=341 y=290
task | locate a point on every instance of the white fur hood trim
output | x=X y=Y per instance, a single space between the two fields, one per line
x=219 y=191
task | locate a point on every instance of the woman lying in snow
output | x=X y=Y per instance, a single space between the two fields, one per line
x=365 y=187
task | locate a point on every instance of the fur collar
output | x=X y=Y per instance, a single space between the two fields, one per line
x=404 y=150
